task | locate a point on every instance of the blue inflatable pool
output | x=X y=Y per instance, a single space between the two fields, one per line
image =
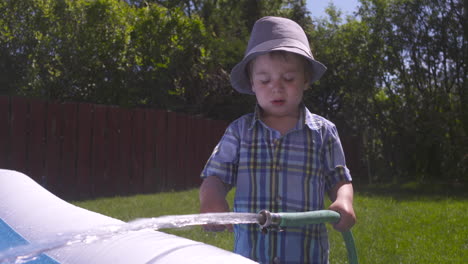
x=29 y=215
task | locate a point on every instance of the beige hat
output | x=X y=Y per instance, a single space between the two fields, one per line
x=271 y=34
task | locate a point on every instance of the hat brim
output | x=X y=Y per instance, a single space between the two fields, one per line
x=239 y=77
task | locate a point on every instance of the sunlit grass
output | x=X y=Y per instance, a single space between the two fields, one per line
x=391 y=228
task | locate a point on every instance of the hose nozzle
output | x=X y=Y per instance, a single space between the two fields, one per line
x=268 y=221
x=274 y=221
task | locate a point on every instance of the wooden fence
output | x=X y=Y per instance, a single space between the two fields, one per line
x=79 y=150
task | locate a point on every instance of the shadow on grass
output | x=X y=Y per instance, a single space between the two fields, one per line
x=415 y=191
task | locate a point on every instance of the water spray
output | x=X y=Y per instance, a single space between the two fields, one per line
x=275 y=221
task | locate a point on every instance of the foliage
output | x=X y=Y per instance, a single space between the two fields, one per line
x=419 y=120
x=103 y=51
x=396 y=80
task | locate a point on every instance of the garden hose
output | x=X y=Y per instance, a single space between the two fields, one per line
x=275 y=221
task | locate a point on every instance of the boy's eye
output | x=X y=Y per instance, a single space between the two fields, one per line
x=263 y=80
x=288 y=77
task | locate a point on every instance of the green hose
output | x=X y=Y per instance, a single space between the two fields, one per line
x=350 y=246
x=312 y=217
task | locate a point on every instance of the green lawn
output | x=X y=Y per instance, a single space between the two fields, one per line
x=392 y=227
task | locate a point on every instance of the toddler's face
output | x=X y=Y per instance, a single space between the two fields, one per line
x=278 y=81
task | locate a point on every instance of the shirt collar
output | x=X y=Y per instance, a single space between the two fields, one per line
x=305 y=118
x=311 y=120
x=256 y=116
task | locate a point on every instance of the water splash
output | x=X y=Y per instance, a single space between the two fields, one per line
x=178 y=221
x=29 y=252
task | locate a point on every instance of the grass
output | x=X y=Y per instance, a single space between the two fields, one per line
x=393 y=227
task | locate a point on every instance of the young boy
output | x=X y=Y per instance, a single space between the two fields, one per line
x=281 y=158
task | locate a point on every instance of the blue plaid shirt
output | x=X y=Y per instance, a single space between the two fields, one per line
x=289 y=173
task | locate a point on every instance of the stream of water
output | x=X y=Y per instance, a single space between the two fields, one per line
x=25 y=253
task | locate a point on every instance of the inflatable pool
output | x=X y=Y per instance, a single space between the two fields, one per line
x=29 y=214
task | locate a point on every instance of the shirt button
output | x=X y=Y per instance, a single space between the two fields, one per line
x=279 y=198
x=276 y=260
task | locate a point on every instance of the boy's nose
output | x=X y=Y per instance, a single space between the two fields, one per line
x=276 y=85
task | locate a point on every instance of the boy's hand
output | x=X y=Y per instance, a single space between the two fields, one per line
x=213 y=200
x=348 y=217
x=342 y=197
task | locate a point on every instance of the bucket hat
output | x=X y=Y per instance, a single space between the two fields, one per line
x=272 y=34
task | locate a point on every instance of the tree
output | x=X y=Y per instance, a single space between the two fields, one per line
x=396 y=81
x=103 y=51
x=342 y=95
x=419 y=106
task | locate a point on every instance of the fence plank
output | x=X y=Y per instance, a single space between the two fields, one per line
x=37 y=141
x=54 y=135
x=125 y=152
x=161 y=149
x=113 y=138
x=99 y=174
x=181 y=151
x=18 y=147
x=200 y=159
x=84 y=150
x=4 y=131
x=191 y=152
x=149 y=159
x=172 y=171
x=69 y=149
x=207 y=130
x=83 y=162
x=137 y=143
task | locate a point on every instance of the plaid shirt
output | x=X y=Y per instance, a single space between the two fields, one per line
x=288 y=173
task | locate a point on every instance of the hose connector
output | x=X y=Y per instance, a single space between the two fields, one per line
x=268 y=221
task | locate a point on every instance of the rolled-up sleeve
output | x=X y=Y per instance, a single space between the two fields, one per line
x=223 y=162
x=334 y=159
